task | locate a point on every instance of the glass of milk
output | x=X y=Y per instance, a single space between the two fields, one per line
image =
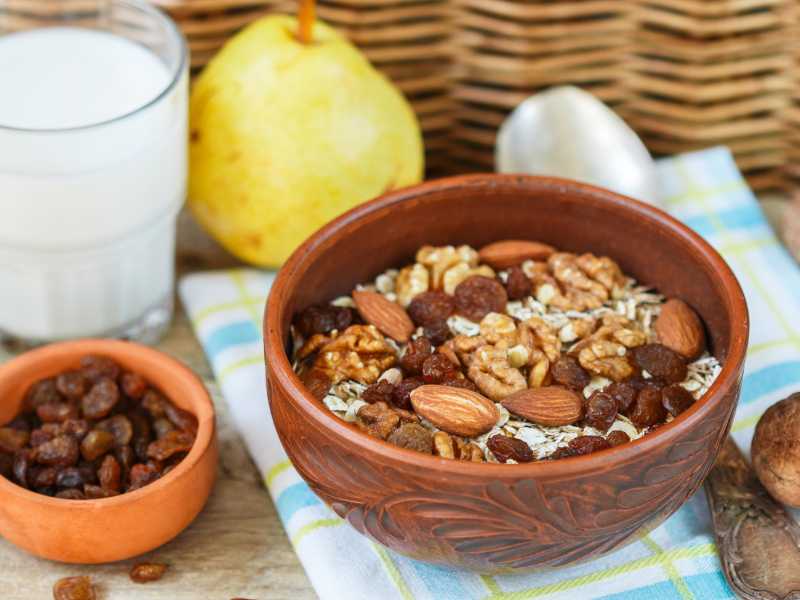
x=93 y=143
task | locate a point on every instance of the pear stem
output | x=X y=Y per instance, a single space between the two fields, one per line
x=306 y=18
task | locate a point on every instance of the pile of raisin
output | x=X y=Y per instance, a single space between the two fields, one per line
x=94 y=432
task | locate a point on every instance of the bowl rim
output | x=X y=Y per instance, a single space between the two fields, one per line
x=279 y=367
x=202 y=408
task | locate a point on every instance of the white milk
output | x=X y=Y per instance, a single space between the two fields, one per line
x=87 y=203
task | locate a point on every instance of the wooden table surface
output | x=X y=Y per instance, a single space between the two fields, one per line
x=237 y=546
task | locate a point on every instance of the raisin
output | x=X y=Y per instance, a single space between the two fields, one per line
x=71 y=494
x=563 y=452
x=380 y=391
x=414 y=437
x=96 y=492
x=95 y=368
x=98 y=403
x=109 y=474
x=647 y=409
x=568 y=372
x=142 y=474
x=12 y=440
x=401 y=397
x=74 y=588
x=57 y=412
x=460 y=382
x=380 y=420
x=586 y=444
x=171 y=443
x=676 y=399
x=437 y=333
x=182 y=419
x=42 y=477
x=77 y=428
x=20 y=423
x=6 y=466
x=125 y=457
x=477 y=296
x=617 y=438
x=601 y=411
x=23 y=461
x=40 y=436
x=96 y=443
x=133 y=385
x=73 y=477
x=518 y=286
x=624 y=394
x=506 y=448
x=324 y=319
x=430 y=308
x=72 y=385
x=42 y=392
x=437 y=368
x=416 y=352
x=662 y=363
x=61 y=451
x=147 y=572
x=155 y=404
x=162 y=427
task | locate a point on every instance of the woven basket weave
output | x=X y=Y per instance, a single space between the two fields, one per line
x=685 y=74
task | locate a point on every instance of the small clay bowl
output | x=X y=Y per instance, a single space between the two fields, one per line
x=109 y=529
x=496 y=517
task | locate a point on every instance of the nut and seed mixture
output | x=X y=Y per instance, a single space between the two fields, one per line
x=94 y=432
x=512 y=353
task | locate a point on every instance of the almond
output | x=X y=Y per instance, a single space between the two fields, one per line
x=508 y=253
x=679 y=328
x=389 y=317
x=550 y=406
x=455 y=410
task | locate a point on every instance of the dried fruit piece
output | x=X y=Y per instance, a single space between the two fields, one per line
x=401 y=397
x=679 y=328
x=61 y=451
x=74 y=588
x=142 y=474
x=324 y=319
x=507 y=448
x=155 y=404
x=23 y=460
x=477 y=296
x=587 y=444
x=662 y=363
x=617 y=438
x=437 y=368
x=380 y=420
x=182 y=419
x=72 y=385
x=461 y=382
x=109 y=474
x=147 y=572
x=77 y=428
x=518 y=286
x=171 y=444
x=41 y=392
x=95 y=368
x=676 y=399
x=455 y=410
x=12 y=440
x=96 y=443
x=417 y=351
x=133 y=385
x=568 y=372
x=71 y=494
x=42 y=477
x=624 y=394
x=647 y=410
x=118 y=426
x=507 y=253
x=412 y=436
x=98 y=403
x=57 y=412
x=601 y=411
x=389 y=317
x=437 y=333
x=72 y=477
x=380 y=391
x=96 y=492
x=431 y=308
x=551 y=406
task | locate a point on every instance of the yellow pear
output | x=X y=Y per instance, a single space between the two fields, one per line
x=286 y=135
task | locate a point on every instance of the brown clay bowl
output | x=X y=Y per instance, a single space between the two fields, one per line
x=110 y=529
x=496 y=517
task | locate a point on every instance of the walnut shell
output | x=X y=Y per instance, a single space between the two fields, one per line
x=776 y=450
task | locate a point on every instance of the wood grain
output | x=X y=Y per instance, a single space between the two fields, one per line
x=237 y=546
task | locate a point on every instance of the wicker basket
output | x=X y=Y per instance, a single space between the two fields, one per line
x=685 y=74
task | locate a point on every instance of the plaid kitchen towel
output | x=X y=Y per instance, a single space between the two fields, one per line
x=677 y=560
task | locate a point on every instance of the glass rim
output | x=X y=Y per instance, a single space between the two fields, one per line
x=174 y=31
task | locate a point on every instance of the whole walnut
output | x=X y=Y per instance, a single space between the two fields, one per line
x=776 y=450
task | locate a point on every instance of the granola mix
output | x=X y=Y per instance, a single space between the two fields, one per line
x=513 y=353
